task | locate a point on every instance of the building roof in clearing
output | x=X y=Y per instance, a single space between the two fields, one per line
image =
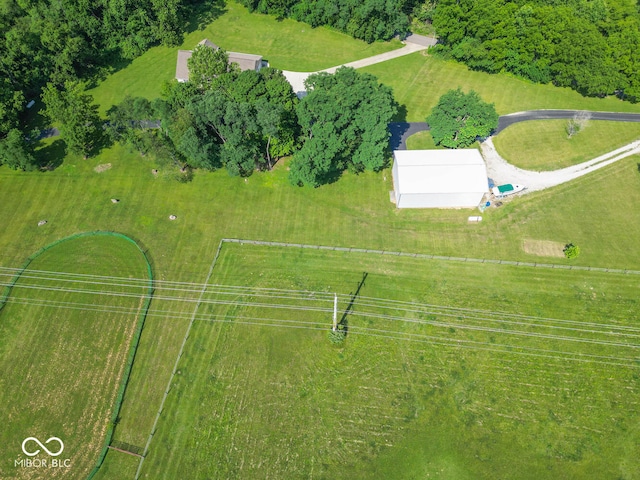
x=246 y=61
x=440 y=171
x=182 y=67
x=208 y=43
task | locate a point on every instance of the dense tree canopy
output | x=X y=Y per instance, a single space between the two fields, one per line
x=75 y=112
x=45 y=41
x=368 y=20
x=239 y=120
x=344 y=124
x=459 y=119
x=15 y=152
x=247 y=120
x=591 y=46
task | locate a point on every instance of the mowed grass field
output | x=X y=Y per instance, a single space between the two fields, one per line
x=597 y=212
x=75 y=198
x=419 y=80
x=63 y=349
x=286 y=45
x=544 y=144
x=448 y=371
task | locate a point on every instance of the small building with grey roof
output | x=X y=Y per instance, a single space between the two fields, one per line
x=245 y=61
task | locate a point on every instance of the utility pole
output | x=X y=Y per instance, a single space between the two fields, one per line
x=335 y=312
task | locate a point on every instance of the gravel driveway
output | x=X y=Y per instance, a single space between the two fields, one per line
x=413 y=43
x=500 y=171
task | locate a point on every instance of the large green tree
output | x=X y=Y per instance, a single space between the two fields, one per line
x=132 y=122
x=344 y=124
x=73 y=109
x=459 y=119
x=16 y=153
x=11 y=104
x=243 y=120
x=206 y=64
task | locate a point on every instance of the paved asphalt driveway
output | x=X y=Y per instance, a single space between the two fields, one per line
x=402 y=130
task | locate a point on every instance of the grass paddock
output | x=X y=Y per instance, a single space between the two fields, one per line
x=491 y=384
x=64 y=347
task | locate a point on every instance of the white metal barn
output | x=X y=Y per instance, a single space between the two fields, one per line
x=439 y=178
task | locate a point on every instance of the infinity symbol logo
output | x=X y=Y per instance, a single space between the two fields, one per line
x=34 y=439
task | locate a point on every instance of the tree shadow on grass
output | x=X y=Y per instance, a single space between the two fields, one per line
x=101 y=141
x=113 y=63
x=201 y=14
x=50 y=157
x=401 y=114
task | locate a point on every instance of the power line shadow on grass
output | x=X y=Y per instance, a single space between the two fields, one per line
x=343 y=324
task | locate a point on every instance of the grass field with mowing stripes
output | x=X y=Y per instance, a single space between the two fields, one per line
x=64 y=344
x=447 y=370
x=286 y=45
x=418 y=80
x=76 y=198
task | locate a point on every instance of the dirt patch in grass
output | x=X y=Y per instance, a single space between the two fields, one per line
x=543 y=248
x=102 y=167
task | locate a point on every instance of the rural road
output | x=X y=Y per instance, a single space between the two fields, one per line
x=413 y=43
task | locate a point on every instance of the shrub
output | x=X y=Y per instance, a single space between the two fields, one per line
x=337 y=336
x=571 y=251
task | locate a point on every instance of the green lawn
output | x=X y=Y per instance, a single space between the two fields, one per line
x=418 y=81
x=544 y=144
x=353 y=212
x=424 y=141
x=74 y=198
x=286 y=44
x=63 y=353
x=421 y=141
x=475 y=393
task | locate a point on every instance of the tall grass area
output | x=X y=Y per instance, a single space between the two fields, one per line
x=461 y=382
x=418 y=80
x=544 y=144
x=286 y=44
x=63 y=348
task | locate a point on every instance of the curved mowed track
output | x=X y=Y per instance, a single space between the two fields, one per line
x=64 y=343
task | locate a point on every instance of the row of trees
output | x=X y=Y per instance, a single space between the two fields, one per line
x=592 y=46
x=368 y=20
x=242 y=121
